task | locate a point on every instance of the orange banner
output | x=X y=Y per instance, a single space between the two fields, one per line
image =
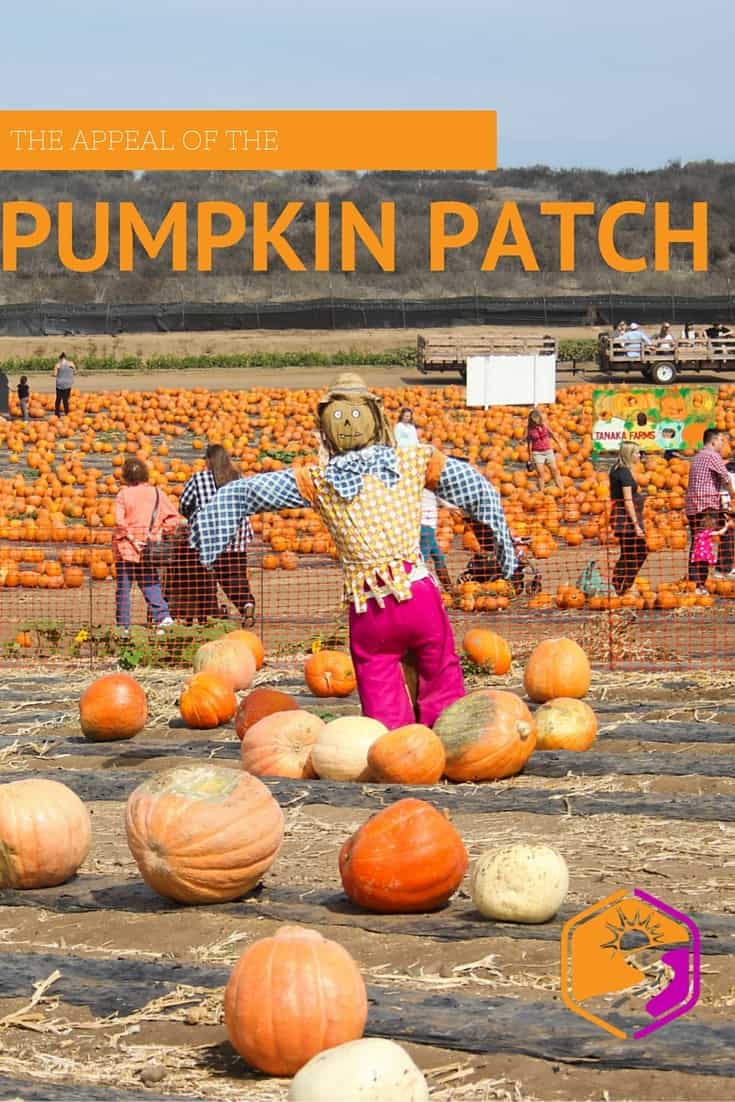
x=241 y=140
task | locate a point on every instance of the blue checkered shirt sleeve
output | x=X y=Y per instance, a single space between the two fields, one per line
x=214 y=525
x=462 y=485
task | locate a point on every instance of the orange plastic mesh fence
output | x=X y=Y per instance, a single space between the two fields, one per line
x=58 y=598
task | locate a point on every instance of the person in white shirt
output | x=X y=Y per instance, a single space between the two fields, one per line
x=634 y=339
x=405 y=430
x=429 y=547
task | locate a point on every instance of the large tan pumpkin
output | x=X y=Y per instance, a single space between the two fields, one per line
x=202 y=833
x=280 y=745
x=45 y=833
x=340 y=752
x=557 y=667
x=487 y=735
x=113 y=707
x=565 y=724
x=231 y=659
x=292 y=996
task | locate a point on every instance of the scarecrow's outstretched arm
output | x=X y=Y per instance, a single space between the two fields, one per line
x=462 y=485
x=214 y=526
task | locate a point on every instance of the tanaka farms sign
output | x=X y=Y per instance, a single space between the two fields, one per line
x=655 y=418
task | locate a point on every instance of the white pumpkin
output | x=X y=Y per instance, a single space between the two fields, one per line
x=520 y=883
x=341 y=749
x=230 y=658
x=370 y=1070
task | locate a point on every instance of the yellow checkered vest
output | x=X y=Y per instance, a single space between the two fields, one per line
x=378 y=531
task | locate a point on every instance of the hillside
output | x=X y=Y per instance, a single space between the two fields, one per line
x=40 y=275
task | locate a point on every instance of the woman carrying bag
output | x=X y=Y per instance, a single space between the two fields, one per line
x=143 y=515
x=627 y=518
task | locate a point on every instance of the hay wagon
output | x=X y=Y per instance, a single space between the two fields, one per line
x=451 y=353
x=661 y=361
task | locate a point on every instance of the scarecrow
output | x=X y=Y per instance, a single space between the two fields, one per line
x=368 y=493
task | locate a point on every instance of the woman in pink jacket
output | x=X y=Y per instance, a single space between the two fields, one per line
x=134 y=509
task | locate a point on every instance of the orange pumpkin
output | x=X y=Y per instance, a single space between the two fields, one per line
x=202 y=833
x=113 y=707
x=45 y=833
x=279 y=745
x=330 y=673
x=258 y=704
x=487 y=735
x=407 y=755
x=565 y=724
x=557 y=667
x=231 y=659
x=292 y=996
x=486 y=648
x=405 y=859
x=207 y=701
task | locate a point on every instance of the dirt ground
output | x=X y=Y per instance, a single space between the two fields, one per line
x=667 y=830
x=176 y=1041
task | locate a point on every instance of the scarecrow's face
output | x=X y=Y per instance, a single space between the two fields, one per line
x=348 y=424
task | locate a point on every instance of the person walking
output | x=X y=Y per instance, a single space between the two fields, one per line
x=627 y=518
x=405 y=431
x=540 y=452
x=429 y=547
x=64 y=378
x=143 y=513
x=231 y=566
x=709 y=478
x=704 y=549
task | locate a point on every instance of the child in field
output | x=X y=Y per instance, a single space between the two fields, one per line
x=704 y=551
x=24 y=397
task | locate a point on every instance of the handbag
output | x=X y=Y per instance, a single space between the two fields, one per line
x=156 y=553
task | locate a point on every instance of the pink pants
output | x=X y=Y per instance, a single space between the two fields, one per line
x=381 y=637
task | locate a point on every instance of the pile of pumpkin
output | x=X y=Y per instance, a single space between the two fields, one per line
x=68 y=498
x=204 y=834
x=486 y=735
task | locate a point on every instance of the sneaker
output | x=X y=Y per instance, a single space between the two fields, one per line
x=167 y=622
x=701 y=591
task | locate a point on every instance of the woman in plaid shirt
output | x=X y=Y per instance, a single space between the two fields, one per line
x=194 y=585
x=709 y=479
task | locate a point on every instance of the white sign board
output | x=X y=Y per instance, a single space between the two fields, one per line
x=511 y=380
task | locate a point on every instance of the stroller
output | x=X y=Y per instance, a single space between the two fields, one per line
x=483 y=566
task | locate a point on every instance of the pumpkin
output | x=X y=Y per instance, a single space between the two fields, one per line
x=565 y=724
x=231 y=659
x=330 y=673
x=206 y=701
x=407 y=755
x=487 y=735
x=259 y=703
x=405 y=859
x=45 y=833
x=251 y=640
x=113 y=707
x=340 y=752
x=292 y=996
x=520 y=883
x=370 y=1070
x=280 y=745
x=557 y=667
x=486 y=648
x=202 y=833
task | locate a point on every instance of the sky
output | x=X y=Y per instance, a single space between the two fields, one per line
x=632 y=84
